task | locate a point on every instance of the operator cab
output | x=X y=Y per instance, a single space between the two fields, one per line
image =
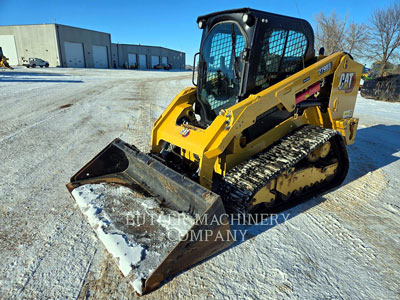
x=244 y=51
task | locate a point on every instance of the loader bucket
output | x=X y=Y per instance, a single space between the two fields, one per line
x=149 y=251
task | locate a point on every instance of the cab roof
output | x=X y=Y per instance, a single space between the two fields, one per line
x=255 y=12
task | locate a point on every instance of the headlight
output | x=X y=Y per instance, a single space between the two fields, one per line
x=248 y=19
x=201 y=24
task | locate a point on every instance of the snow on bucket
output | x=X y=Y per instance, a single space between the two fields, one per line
x=154 y=221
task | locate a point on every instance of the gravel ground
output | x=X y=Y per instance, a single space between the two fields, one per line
x=341 y=245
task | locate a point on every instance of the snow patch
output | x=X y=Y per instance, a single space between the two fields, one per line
x=119 y=216
x=137 y=285
x=126 y=252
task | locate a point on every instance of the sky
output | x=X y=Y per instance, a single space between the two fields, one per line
x=170 y=24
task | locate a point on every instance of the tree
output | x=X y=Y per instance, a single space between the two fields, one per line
x=377 y=66
x=335 y=34
x=330 y=32
x=356 y=39
x=385 y=35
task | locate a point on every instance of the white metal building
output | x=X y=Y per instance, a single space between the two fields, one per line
x=145 y=57
x=67 y=46
x=60 y=45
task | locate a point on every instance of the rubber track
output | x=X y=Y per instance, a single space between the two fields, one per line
x=243 y=181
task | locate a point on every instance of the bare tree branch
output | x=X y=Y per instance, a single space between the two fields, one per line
x=335 y=34
x=385 y=35
x=331 y=32
x=356 y=39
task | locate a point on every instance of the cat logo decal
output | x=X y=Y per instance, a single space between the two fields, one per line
x=185 y=132
x=347 y=82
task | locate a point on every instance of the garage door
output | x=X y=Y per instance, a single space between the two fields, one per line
x=100 y=57
x=155 y=60
x=7 y=43
x=74 y=55
x=132 y=60
x=164 y=60
x=142 y=61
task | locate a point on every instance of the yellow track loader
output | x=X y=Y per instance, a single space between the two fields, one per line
x=3 y=61
x=266 y=122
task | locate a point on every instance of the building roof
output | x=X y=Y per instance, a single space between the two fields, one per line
x=57 y=25
x=140 y=45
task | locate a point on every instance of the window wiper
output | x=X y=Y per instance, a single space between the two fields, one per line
x=235 y=60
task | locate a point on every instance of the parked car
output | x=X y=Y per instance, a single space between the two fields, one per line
x=33 y=62
x=163 y=66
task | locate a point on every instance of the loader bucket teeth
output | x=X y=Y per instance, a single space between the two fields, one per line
x=125 y=165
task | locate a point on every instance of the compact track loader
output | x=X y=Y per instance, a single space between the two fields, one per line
x=3 y=61
x=266 y=122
